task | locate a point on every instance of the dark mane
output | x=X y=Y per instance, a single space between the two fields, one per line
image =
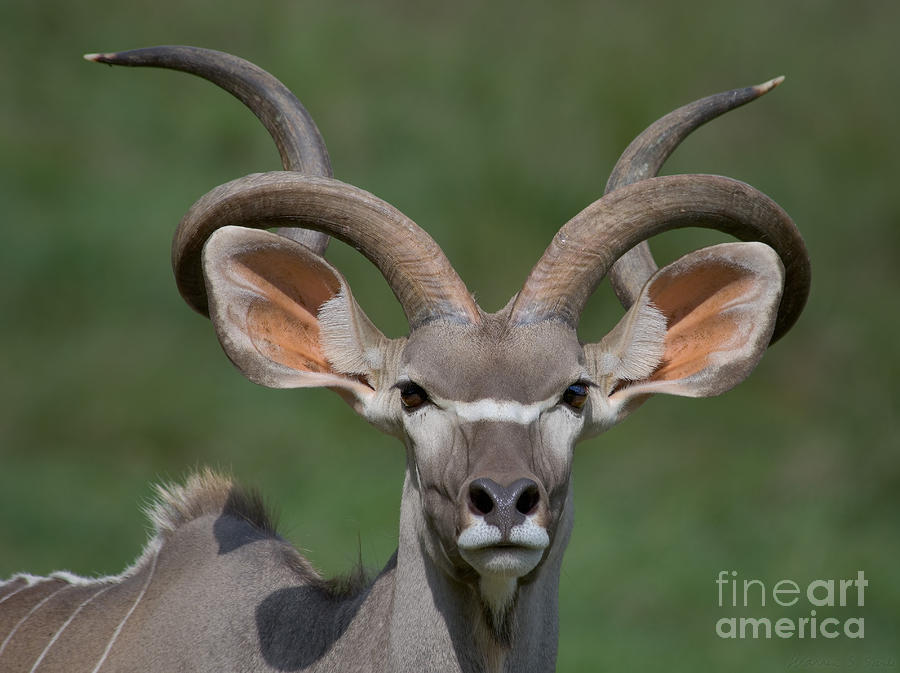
x=208 y=493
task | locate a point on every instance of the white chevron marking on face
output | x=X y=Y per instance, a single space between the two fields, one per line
x=507 y=411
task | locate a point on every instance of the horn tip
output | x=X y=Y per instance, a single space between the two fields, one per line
x=766 y=87
x=100 y=58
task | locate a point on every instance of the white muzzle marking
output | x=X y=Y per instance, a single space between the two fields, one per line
x=482 y=546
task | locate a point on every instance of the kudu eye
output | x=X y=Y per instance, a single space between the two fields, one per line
x=576 y=395
x=412 y=395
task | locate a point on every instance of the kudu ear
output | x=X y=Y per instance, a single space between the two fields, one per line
x=698 y=328
x=286 y=317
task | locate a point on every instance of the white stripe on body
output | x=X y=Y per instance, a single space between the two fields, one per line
x=30 y=581
x=121 y=625
x=25 y=618
x=66 y=624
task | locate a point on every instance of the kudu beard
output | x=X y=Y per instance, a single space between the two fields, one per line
x=835 y=595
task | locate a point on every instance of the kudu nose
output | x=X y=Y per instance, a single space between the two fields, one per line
x=504 y=506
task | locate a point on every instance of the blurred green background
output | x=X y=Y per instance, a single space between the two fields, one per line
x=490 y=124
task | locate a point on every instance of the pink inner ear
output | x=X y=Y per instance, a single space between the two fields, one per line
x=282 y=323
x=289 y=338
x=696 y=307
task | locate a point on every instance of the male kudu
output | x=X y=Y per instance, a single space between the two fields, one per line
x=488 y=406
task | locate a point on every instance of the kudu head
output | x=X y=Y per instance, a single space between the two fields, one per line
x=488 y=405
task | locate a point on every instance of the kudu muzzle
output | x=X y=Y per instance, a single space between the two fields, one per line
x=504 y=508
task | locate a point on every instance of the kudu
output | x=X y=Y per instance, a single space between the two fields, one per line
x=488 y=406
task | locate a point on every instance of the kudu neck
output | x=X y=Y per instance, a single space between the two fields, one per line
x=439 y=623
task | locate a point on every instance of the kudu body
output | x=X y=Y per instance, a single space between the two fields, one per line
x=488 y=405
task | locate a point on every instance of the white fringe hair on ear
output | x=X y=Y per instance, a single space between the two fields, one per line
x=635 y=346
x=339 y=338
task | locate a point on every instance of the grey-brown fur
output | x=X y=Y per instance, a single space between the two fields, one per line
x=489 y=408
x=240 y=572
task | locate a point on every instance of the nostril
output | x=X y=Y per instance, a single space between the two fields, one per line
x=480 y=499
x=528 y=500
x=503 y=506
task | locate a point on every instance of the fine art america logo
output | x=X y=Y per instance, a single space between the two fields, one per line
x=753 y=593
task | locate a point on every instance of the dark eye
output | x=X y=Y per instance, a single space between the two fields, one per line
x=575 y=395
x=412 y=395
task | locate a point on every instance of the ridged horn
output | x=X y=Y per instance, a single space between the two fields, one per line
x=644 y=158
x=292 y=128
x=414 y=265
x=583 y=251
